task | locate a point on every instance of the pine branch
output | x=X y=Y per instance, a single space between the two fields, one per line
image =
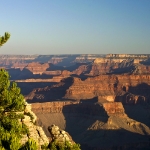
x=4 y=39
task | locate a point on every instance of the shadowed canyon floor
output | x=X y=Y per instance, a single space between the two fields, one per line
x=103 y=101
x=93 y=125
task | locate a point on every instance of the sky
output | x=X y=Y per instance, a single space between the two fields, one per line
x=48 y=27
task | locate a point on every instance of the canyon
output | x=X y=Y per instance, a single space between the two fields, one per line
x=102 y=101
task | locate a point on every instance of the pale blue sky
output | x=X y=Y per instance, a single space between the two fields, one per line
x=75 y=26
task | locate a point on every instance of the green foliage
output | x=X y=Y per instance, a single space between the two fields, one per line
x=15 y=142
x=64 y=146
x=11 y=102
x=30 y=145
x=45 y=147
x=61 y=146
x=4 y=39
x=10 y=98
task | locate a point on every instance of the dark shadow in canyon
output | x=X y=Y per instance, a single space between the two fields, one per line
x=79 y=117
x=81 y=76
x=121 y=70
x=68 y=61
x=53 y=67
x=75 y=66
x=93 y=100
x=27 y=87
x=139 y=113
x=120 y=139
x=146 y=63
x=43 y=58
x=139 y=94
x=136 y=102
x=54 y=93
x=17 y=74
x=141 y=89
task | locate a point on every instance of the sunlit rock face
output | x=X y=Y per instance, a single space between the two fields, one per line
x=37 y=68
x=60 y=136
x=124 y=88
x=35 y=132
x=121 y=64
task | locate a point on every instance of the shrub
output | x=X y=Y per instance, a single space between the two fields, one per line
x=64 y=146
x=30 y=145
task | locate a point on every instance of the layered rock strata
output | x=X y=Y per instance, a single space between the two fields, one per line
x=129 y=89
x=21 y=61
x=68 y=107
x=94 y=124
x=125 y=88
x=37 y=68
x=120 y=65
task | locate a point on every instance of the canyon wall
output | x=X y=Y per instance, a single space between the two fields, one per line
x=68 y=107
x=109 y=87
x=121 y=65
x=128 y=89
x=93 y=125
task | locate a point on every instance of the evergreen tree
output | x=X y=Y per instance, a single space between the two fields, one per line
x=4 y=39
x=11 y=103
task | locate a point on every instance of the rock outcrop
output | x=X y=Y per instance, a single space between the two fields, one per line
x=114 y=108
x=37 y=68
x=34 y=132
x=58 y=135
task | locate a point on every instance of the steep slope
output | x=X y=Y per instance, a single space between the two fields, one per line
x=94 y=125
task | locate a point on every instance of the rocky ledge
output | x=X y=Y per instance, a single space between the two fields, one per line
x=59 y=135
x=34 y=132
